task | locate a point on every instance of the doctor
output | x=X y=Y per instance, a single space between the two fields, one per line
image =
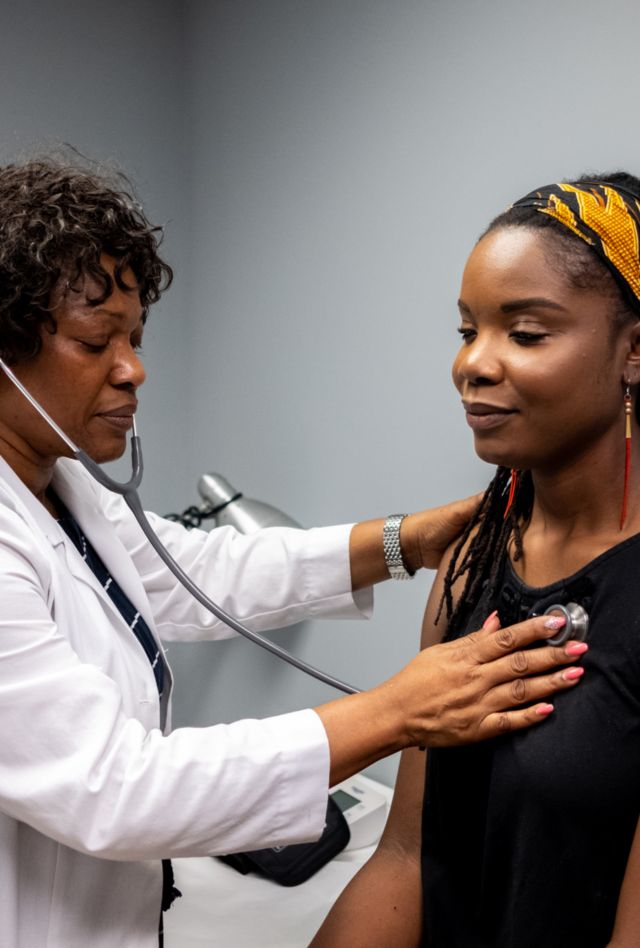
x=95 y=787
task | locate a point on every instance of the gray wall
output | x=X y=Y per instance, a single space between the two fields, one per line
x=323 y=166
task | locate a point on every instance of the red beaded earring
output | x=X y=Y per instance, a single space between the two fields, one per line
x=512 y=492
x=627 y=453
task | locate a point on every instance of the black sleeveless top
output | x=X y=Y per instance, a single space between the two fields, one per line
x=526 y=837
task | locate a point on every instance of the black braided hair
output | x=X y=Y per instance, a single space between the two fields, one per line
x=490 y=534
x=479 y=559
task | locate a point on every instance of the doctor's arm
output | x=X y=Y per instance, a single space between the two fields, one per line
x=424 y=537
x=276 y=576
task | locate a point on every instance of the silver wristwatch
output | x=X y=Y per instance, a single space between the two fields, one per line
x=391 y=547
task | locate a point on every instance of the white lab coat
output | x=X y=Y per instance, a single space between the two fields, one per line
x=92 y=792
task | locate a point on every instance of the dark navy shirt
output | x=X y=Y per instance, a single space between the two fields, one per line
x=526 y=837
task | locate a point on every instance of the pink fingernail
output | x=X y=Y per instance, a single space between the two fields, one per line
x=576 y=648
x=489 y=619
x=544 y=709
x=571 y=673
x=555 y=622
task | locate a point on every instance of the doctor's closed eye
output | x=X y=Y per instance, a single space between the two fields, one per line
x=100 y=346
x=92 y=346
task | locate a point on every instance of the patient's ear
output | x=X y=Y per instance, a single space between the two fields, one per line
x=632 y=366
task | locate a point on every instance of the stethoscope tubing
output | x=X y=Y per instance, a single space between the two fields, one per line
x=132 y=499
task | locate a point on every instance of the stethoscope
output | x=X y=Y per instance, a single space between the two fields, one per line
x=576 y=622
x=129 y=492
x=576 y=618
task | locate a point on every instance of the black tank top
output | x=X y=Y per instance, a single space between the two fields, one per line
x=526 y=837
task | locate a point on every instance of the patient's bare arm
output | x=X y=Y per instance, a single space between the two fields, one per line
x=382 y=905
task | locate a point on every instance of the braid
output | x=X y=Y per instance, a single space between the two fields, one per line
x=453 y=570
x=483 y=556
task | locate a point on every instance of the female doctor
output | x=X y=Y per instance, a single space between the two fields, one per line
x=95 y=787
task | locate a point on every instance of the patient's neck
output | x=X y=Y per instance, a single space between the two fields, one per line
x=576 y=514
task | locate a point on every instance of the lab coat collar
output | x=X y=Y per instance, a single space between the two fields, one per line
x=17 y=495
x=76 y=492
x=75 y=489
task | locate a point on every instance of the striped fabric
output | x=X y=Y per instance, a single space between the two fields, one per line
x=122 y=603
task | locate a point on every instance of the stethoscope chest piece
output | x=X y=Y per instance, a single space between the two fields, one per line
x=576 y=623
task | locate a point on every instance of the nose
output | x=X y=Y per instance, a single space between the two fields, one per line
x=478 y=362
x=128 y=369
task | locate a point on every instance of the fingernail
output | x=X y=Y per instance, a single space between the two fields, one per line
x=571 y=673
x=576 y=648
x=555 y=622
x=489 y=619
x=544 y=709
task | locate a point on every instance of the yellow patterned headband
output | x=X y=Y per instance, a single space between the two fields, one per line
x=600 y=215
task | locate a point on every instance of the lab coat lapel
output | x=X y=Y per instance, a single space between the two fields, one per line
x=41 y=521
x=76 y=494
x=83 y=505
x=18 y=496
x=72 y=488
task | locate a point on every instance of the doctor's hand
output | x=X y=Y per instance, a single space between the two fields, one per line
x=459 y=692
x=424 y=537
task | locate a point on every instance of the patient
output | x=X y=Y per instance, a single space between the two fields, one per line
x=527 y=841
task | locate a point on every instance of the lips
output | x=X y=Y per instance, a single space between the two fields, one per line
x=120 y=416
x=482 y=415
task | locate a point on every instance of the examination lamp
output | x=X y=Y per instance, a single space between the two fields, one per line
x=231 y=508
x=227 y=506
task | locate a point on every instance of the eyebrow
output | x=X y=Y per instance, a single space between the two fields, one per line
x=111 y=314
x=533 y=301
x=515 y=306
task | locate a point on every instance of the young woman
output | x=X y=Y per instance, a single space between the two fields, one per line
x=528 y=840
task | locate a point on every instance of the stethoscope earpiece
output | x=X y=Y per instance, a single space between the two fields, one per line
x=576 y=625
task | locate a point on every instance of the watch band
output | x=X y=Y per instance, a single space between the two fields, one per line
x=392 y=549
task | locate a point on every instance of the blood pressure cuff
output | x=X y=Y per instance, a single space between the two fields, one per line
x=291 y=865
